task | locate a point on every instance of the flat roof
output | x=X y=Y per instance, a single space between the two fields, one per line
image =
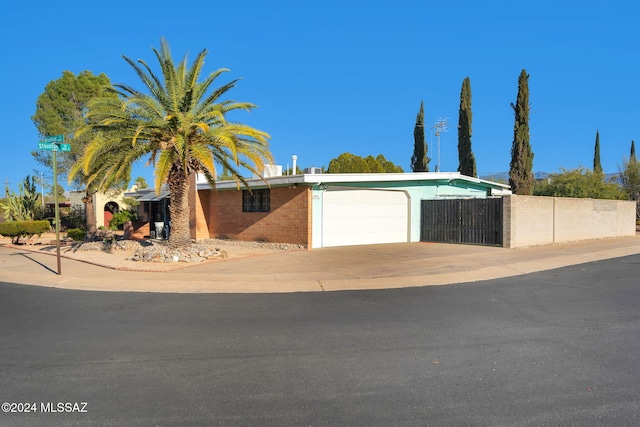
x=329 y=178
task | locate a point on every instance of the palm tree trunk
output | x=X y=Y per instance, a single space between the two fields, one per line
x=179 y=208
x=90 y=215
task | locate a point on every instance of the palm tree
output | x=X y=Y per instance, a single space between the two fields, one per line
x=180 y=125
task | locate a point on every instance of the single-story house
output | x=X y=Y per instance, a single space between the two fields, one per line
x=323 y=210
x=105 y=204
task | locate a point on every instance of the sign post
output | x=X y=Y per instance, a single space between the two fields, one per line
x=55 y=144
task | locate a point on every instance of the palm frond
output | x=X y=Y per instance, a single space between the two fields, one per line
x=176 y=122
x=162 y=168
x=216 y=94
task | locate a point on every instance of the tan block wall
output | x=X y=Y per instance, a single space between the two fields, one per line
x=289 y=220
x=527 y=221
x=573 y=220
x=626 y=209
x=532 y=220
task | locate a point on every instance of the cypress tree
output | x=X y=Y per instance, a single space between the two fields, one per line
x=597 y=165
x=466 y=159
x=632 y=155
x=521 y=170
x=419 y=160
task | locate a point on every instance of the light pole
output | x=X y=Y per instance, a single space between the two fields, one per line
x=440 y=126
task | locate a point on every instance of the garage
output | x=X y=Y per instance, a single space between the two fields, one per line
x=364 y=216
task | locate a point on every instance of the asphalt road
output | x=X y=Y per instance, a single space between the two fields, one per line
x=560 y=347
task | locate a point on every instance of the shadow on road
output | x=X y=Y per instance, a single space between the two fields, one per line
x=26 y=255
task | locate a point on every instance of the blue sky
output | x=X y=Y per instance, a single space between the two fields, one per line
x=348 y=76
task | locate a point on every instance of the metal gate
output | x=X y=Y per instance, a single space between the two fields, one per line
x=477 y=221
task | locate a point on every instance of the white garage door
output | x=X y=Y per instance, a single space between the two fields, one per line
x=360 y=217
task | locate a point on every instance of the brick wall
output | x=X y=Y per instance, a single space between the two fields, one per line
x=289 y=219
x=531 y=220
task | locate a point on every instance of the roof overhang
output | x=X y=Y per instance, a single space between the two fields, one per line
x=351 y=178
x=150 y=195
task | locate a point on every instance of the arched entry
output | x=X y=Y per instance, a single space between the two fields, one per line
x=109 y=209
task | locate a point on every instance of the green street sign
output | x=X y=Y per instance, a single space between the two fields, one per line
x=54 y=138
x=53 y=147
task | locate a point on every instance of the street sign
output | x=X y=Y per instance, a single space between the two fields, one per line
x=55 y=143
x=54 y=138
x=53 y=146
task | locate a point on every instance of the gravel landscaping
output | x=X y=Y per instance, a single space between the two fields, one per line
x=156 y=254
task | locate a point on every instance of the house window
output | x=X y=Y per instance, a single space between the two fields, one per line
x=256 y=201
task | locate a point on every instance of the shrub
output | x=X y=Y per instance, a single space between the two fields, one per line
x=36 y=227
x=9 y=229
x=122 y=217
x=77 y=234
x=17 y=229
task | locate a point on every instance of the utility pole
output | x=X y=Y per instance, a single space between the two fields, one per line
x=440 y=126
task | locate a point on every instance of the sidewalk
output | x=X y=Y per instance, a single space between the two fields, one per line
x=330 y=269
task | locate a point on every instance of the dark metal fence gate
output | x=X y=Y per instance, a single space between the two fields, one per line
x=477 y=221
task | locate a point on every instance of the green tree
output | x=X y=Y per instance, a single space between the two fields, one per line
x=349 y=163
x=141 y=183
x=579 y=183
x=59 y=189
x=632 y=154
x=597 y=165
x=290 y=171
x=180 y=124
x=630 y=179
x=467 y=161
x=387 y=165
x=225 y=175
x=373 y=165
x=60 y=110
x=419 y=160
x=521 y=170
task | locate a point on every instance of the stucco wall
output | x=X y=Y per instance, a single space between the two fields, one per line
x=289 y=219
x=99 y=202
x=532 y=220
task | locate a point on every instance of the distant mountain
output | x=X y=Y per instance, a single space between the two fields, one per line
x=497 y=176
x=504 y=176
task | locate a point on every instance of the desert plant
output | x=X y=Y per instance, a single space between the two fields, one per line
x=77 y=234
